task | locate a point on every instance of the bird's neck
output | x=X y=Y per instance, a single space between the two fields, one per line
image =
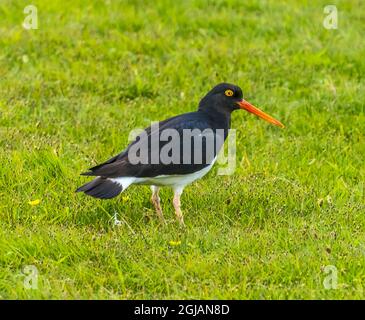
x=221 y=119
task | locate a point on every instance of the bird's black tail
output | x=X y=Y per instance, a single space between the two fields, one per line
x=101 y=188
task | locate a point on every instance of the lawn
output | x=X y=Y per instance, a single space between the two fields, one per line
x=71 y=92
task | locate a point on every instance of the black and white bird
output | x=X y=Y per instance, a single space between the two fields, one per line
x=174 y=152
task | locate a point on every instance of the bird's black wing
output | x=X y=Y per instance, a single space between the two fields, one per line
x=125 y=164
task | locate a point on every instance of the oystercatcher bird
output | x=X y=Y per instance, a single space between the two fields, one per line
x=174 y=152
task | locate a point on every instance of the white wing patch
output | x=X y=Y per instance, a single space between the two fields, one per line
x=125 y=182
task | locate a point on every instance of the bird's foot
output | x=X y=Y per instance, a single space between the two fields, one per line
x=180 y=219
x=161 y=218
x=177 y=206
x=156 y=202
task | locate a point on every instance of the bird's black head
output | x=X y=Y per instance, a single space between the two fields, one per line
x=225 y=98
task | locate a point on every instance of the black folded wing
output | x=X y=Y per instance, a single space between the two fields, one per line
x=184 y=145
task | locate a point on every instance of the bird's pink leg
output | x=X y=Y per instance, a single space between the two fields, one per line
x=177 y=205
x=156 y=202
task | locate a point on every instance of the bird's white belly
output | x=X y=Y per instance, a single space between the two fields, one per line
x=173 y=180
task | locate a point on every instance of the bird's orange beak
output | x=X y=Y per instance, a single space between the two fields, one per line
x=250 y=108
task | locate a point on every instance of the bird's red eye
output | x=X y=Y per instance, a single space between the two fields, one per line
x=228 y=93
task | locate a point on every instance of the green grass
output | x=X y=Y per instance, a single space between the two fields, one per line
x=70 y=93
